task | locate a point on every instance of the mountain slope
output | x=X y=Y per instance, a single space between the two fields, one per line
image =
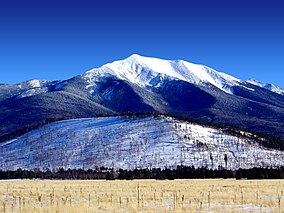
x=270 y=87
x=122 y=142
x=25 y=89
x=151 y=72
x=142 y=84
x=17 y=114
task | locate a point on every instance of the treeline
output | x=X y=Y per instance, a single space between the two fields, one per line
x=25 y=129
x=181 y=172
x=263 y=139
x=186 y=172
x=28 y=128
x=69 y=174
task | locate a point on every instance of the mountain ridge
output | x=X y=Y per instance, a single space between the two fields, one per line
x=148 y=72
x=143 y=84
x=199 y=72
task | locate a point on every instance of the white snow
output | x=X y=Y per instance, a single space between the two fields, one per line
x=271 y=87
x=248 y=88
x=32 y=87
x=34 y=83
x=150 y=72
x=129 y=143
x=31 y=92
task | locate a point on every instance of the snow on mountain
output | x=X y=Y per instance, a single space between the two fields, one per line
x=34 y=87
x=35 y=83
x=271 y=87
x=121 y=142
x=150 y=72
x=32 y=84
x=31 y=92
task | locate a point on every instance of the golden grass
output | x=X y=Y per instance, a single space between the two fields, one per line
x=142 y=196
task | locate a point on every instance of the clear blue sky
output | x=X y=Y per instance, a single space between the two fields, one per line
x=61 y=39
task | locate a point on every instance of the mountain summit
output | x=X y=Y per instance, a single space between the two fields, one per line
x=144 y=84
x=150 y=72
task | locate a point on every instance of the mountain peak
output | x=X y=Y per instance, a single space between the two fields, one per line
x=135 y=56
x=148 y=72
x=145 y=61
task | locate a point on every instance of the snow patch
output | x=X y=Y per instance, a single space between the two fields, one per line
x=34 y=83
x=31 y=92
x=248 y=88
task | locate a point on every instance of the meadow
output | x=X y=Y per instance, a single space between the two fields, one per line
x=217 y=195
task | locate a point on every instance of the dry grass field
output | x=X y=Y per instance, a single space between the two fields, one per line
x=142 y=196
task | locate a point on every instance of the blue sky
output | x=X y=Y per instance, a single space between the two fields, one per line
x=60 y=39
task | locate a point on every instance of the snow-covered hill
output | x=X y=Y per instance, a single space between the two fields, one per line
x=122 y=142
x=150 y=72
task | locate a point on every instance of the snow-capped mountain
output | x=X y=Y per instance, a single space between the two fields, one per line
x=137 y=142
x=143 y=84
x=145 y=72
x=150 y=72
x=271 y=87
